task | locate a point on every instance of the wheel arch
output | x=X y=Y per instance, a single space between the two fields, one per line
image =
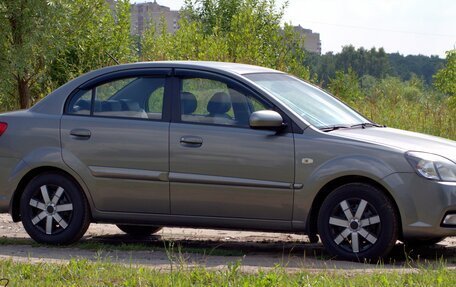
x=15 y=201
x=335 y=183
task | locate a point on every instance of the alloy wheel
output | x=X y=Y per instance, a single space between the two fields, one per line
x=355 y=225
x=52 y=209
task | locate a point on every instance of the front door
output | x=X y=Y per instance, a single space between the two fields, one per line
x=115 y=135
x=219 y=166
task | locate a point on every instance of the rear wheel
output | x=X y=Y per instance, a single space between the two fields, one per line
x=54 y=210
x=139 y=230
x=357 y=221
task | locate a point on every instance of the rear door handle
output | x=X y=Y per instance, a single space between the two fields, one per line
x=80 y=133
x=191 y=141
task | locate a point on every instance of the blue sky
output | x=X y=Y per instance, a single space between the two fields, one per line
x=426 y=27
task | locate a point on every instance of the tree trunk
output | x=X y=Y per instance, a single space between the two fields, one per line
x=24 y=93
x=16 y=21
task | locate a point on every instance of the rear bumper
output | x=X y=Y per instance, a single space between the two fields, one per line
x=423 y=205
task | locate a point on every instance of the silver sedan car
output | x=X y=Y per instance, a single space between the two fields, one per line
x=221 y=145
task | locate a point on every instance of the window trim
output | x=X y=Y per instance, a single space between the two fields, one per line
x=132 y=73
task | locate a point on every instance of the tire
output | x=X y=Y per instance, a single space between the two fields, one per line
x=358 y=222
x=138 y=230
x=422 y=242
x=54 y=209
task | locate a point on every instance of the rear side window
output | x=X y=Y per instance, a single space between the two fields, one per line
x=140 y=97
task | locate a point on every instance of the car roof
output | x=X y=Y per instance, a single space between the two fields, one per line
x=235 y=68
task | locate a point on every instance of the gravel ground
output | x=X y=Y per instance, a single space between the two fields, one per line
x=254 y=250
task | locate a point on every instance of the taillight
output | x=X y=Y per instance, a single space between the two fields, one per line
x=3 y=127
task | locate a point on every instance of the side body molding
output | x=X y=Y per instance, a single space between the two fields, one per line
x=222 y=180
x=126 y=173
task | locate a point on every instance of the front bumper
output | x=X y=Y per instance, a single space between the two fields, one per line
x=423 y=205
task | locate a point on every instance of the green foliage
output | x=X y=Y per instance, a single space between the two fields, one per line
x=50 y=42
x=445 y=79
x=27 y=45
x=409 y=105
x=345 y=86
x=405 y=67
x=371 y=62
x=242 y=31
x=93 y=36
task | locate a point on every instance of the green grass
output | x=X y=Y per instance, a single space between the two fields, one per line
x=178 y=273
x=86 y=273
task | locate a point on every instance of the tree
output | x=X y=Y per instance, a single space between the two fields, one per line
x=345 y=86
x=94 y=36
x=28 y=45
x=445 y=79
x=243 y=31
x=373 y=62
x=49 y=42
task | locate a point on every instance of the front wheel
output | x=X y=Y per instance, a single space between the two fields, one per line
x=54 y=209
x=357 y=221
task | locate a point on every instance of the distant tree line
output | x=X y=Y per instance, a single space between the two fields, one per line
x=373 y=62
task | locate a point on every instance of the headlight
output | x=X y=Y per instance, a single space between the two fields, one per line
x=432 y=166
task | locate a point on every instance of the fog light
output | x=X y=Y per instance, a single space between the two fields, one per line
x=450 y=219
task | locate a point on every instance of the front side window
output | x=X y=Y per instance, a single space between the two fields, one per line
x=139 y=97
x=214 y=102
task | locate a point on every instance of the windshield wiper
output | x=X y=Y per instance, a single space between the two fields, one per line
x=366 y=125
x=361 y=125
x=333 y=128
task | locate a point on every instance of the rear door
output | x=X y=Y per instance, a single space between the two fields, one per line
x=114 y=134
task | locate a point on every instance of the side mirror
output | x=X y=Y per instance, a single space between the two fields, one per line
x=266 y=120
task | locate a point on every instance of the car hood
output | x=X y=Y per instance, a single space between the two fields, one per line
x=400 y=139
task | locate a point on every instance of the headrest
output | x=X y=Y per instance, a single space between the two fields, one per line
x=220 y=103
x=188 y=103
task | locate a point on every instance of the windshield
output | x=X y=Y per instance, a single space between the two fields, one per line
x=314 y=105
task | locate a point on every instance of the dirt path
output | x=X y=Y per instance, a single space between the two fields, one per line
x=211 y=248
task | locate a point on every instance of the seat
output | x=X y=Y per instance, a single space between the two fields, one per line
x=111 y=106
x=82 y=107
x=127 y=108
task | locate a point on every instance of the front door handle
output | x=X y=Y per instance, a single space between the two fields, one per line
x=191 y=141
x=80 y=133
